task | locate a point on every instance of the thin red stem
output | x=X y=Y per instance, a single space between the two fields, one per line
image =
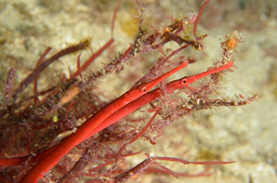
x=79 y=65
x=198 y=17
x=139 y=134
x=69 y=107
x=35 y=80
x=158 y=170
x=114 y=16
x=93 y=57
x=12 y=161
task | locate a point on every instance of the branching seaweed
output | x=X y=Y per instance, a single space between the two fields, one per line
x=69 y=130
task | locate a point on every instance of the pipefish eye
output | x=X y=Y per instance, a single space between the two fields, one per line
x=144 y=89
x=184 y=81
